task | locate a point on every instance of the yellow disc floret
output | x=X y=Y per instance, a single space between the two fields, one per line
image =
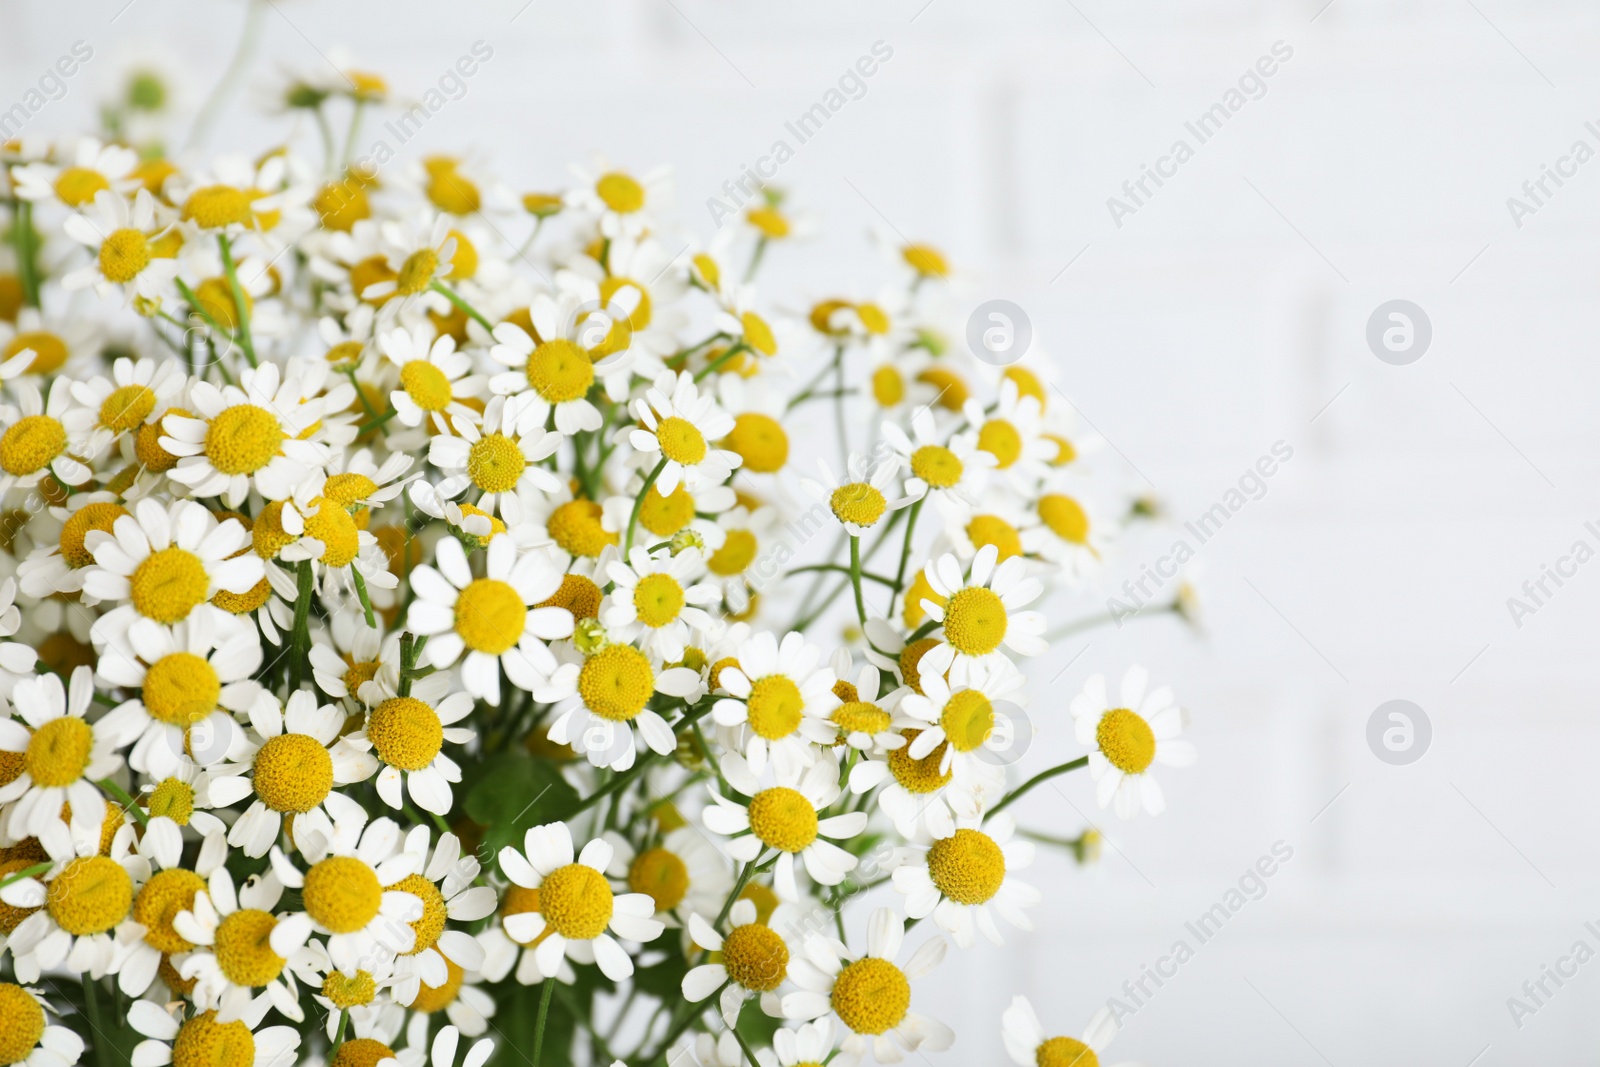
x=77 y=186
x=417 y=272
x=243 y=439
x=349 y=991
x=90 y=895
x=49 y=350
x=293 y=773
x=666 y=515
x=181 y=688
x=204 y=1042
x=760 y=440
x=559 y=371
x=681 y=441
x=661 y=874
x=579 y=595
x=158 y=903
x=97 y=516
x=342 y=894
x=336 y=529
x=967 y=867
x=993 y=530
x=755 y=957
x=426 y=385
x=243 y=950
x=406 y=733
x=871 y=995
x=172 y=798
x=860 y=716
x=919 y=775
x=576 y=901
x=1000 y=439
x=58 y=752
x=432 y=998
x=495 y=463
x=738 y=551
x=30 y=443
x=123 y=255
x=619 y=192
x=576 y=527
x=658 y=598
x=490 y=616
x=1065 y=517
x=616 y=682
x=775 y=705
x=911 y=656
x=782 y=818
x=428 y=928
x=215 y=206
x=169 y=584
x=1065 y=1052
x=1126 y=740
x=21 y=1023
x=936 y=465
x=967 y=720
x=858 y=503
x=358 y=1052
x=975 y=621
x=127 y=407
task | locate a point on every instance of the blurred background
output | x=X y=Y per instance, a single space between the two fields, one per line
x=1197 y=324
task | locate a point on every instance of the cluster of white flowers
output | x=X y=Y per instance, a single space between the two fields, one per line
x=399 y=617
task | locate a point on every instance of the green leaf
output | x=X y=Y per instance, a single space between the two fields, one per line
x=513 y=792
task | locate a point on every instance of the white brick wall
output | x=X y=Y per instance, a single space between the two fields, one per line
x=1195 y=336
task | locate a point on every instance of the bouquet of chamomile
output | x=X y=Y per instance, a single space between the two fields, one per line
x=444 y=619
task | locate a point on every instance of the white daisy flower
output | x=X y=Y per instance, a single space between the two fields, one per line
x=682 y=872
x=1028 y=1046
x=576 y=903
x=354 y=657
x=237 y=928
x=125 y=240
x=624 y=205
x=982 y=612
x=501 y=460
x=94 y=167
x=869 y=994
x=151 y=937
x=273 y=1046
x=40 y=438
x=31 y=1039
x=434 y=379
x=1067 y=529
x=960 y=878
x=784 y=817
x=783 y=697
x=864 y=717
x=917 y=794
x=419 y=252
x=860 y=499
x=61 y=564
x=63 y=757
x=121 y=403
x=678 y=422
x=963 y=715
x=657 y=601
x=606 y=696
x=492 y=619
x=77 y=906
x=407 y=735
x=752 y=958
x=1012 y=431
x=1141 y=729
x=444 y=884
x=554 y=369
x=177 y=802
x=952 y=473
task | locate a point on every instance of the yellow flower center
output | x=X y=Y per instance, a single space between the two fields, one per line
x=215 y=297
x=426 y=385
x=464 y=264
x=967 y=867
x=123 y=255
x=342 y=894
x=147 y=444
x=406 y=732
x=490 y=616
x=454 y=193
x=416 y=273
x=871 y=995
x=1065 y=452
x=243 y=951
x=367 y=273
x=267 y=536
x=616 y=682
x=215 y=206
x=783 y=819
x=658 y=598
x=858 y=503
x=661 y=874
x=49 y=350
x=620 y=193
x=666 y=515
x=775 y=706
x=576 y=900
x=173 y=798
x=360 y=674
x=496 y=527
x=1126 y=740
x=31 y=443
x=680 y=441
x=496 y=463
x=158 y=903
x=1065 y=517
x=1065 y=1052
x=975 y=621
x=349 y=489
x=76 y=186
x=578 y=595
x=860 y=717
x=919 y=775
x=359 y=1052
x=755 y=957
x=345 y=991
x=430 y=999
x=1027 y=383
x=293 y=773
x=428 y=928
x=59 y=751
x=98 y=516
x=204 y=1042
x=90 y=895
x=519 y=900
x=181 y=689
x=765 y=900
x=1000 y=439
x=873 y=318
x=336 y=529
x=21 y=1023
x=993 y=530
x=760 y=440
x=953 y=392
x=967 y=720
x=559 y=371
x=640 y=318
x=936 y=465
x=912 y=655
x=768 y=220
x=576 y=527
x=925 y=260
x=169 y=584
x=888 y=387
x=127 y=407
x=243 y=439
x=738 y=551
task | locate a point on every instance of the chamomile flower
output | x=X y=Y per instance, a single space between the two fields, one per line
x=1067 y=529
x=250 y=435
x=185 y=673
x=169 y=1039
x=682 y=872
x=864 y=716
x=63 y=755
x=916 y=794
x=94 y=167
x=166 y=563
x=151 y=937
x=61 y=565
x=982 y=611
x=753 y=958
x=606 y=696
x=40 y=439
x=745 y=532
x=503 y=955
x=622 y=203
x=959 y=719
x=121 y=404
x=1027 y=1045
x=553 y=370
x=951 y=472
x=418 y=252
x=805 y=1044
x=237 y=927
x=576 y=903
x=677 y=424
x=127 y=242
x=358 y=484
x=961 y=878
x=860 y=499
x=40 y=343
x=783 y=696
x=355 y=656
x=407 y=735
x=444 y=885
x=495 y=619
x=657 y=601
x=30 y=1038
x=293 y=771
x=1013 y=433
x=77 y=906
x=1128 y=737
x=234 y=195
x=500 y=459
x=434 y=379
x=869 y=994
x=785 y=817
x=175 y=803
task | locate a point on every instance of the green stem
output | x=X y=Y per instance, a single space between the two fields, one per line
x=544 y=1012
x=361 y=591
x=711 y=368
x=905 y=549
x=450 y=294
x=26 y=872
x=855 y=578
x=125 y=800
x=738 y=887
x=300 y=642
x=91 y=1004
x=744 y=1046
x=350 y=137
x=240 y=311
x=27 y=251
x=841 y=569
x=338 y=1035
x=373 y=424
x=1042 y=776
x=638 y=502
